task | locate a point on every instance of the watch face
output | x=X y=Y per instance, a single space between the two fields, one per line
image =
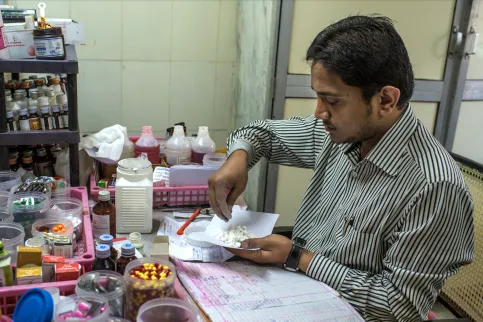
x=299 y=241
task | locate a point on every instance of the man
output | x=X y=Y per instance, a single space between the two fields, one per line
x=387 y=217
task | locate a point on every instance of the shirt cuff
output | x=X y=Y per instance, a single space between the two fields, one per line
x=325 y=270
x=242 y=145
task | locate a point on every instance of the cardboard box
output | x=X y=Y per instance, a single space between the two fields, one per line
x=67 y=272
x=20 y=43
x=29 y=256
x=48 y=266
x=29 y=275
x=72 y=30
x=160 y=247
x=63 y=246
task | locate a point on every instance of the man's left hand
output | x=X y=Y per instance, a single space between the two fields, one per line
x=274 y=249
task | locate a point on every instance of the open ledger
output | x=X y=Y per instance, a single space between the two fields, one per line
x=242 y=291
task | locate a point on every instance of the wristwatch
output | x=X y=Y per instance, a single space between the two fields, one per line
x=293 y=258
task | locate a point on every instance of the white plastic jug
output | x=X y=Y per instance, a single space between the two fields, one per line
x=134 y=196
x=202 y=145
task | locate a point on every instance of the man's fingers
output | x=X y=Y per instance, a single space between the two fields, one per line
x=233 y=195
x=253 y=243
x=220 y=195
x=214 y=203
x=253 y=255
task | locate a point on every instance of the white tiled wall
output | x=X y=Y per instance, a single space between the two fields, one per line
x=154 y=62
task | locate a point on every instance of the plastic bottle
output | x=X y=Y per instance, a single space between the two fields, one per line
x=103 y=259
x=128 y=254
x=178 y=148
x=136 y=239
x=104 y=216
x=148 y=146
x=202 y=145
x=109 y=241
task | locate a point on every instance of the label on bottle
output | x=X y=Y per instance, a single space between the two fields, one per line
x=61 y=121
x=49 y=47
x=100 y=225
x=65 y=118
x=24 y=125
x=183 y=160
x=44 y=169
x=46 y=123
x=35 y=123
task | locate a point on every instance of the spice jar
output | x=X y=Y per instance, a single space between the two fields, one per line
x=23 y=120
x=12 y=124
x=49 y=43
x=57 y=120
x=45 y=118
x=34 y=119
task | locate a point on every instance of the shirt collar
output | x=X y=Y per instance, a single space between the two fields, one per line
x=386 y=154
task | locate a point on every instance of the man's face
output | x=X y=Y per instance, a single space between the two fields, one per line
x=347 y=117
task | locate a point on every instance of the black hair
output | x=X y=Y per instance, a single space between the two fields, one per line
x=365 y=52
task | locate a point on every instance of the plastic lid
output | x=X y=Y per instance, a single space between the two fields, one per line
x=147 y=129
x=44 y=110
x=202 y=130
x=32 y=109
x=128 y=250
x=55 y=108
x=43 y=100
x=106 y=239
x=134 y=164
x=41 y=152
x=135 y=237
x=104 y=195
x=103 y=251
x=178 y=130
x=65 y=107
x=22 y=112
x=35 y=305
x=9 y=114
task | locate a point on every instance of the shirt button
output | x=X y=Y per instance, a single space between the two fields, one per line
x=354 y=174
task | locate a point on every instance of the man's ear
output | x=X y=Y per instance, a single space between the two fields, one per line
x=389 y=98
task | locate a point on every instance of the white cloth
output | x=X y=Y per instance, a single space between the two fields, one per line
x=109 y=142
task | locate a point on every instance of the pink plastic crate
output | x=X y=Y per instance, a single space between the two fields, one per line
x=9 y=296
x=165 y=196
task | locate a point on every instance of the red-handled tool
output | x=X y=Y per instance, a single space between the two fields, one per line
x=186 y=224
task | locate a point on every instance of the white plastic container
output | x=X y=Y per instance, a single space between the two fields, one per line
x=134 y=196
x=178 y=148
x=12 y=235
x=202 y=145
x=9 y=179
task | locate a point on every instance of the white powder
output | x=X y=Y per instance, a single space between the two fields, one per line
x=234 y=236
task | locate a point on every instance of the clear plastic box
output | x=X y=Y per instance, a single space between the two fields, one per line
x=168 y=310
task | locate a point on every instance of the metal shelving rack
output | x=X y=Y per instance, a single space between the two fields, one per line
x=71 y=136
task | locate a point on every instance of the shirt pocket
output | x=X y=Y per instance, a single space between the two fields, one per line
x=359 y=250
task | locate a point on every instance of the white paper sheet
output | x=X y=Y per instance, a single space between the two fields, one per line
x=242 y=291
x=259 y=224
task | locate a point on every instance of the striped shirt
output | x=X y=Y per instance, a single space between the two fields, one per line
x=388 y=230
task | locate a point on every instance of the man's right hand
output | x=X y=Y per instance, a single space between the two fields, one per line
x=232 y=177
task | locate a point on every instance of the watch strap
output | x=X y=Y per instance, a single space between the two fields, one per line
x=294 y=258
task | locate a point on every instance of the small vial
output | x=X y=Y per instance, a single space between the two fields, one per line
x=23 y=120
x=135 y=238
x=109 y=241
x=34 y=119
x=45 y=118
x=12 y=124
x=128 y=254
x=103 y=260
x=65 y=116
x=58 y=122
